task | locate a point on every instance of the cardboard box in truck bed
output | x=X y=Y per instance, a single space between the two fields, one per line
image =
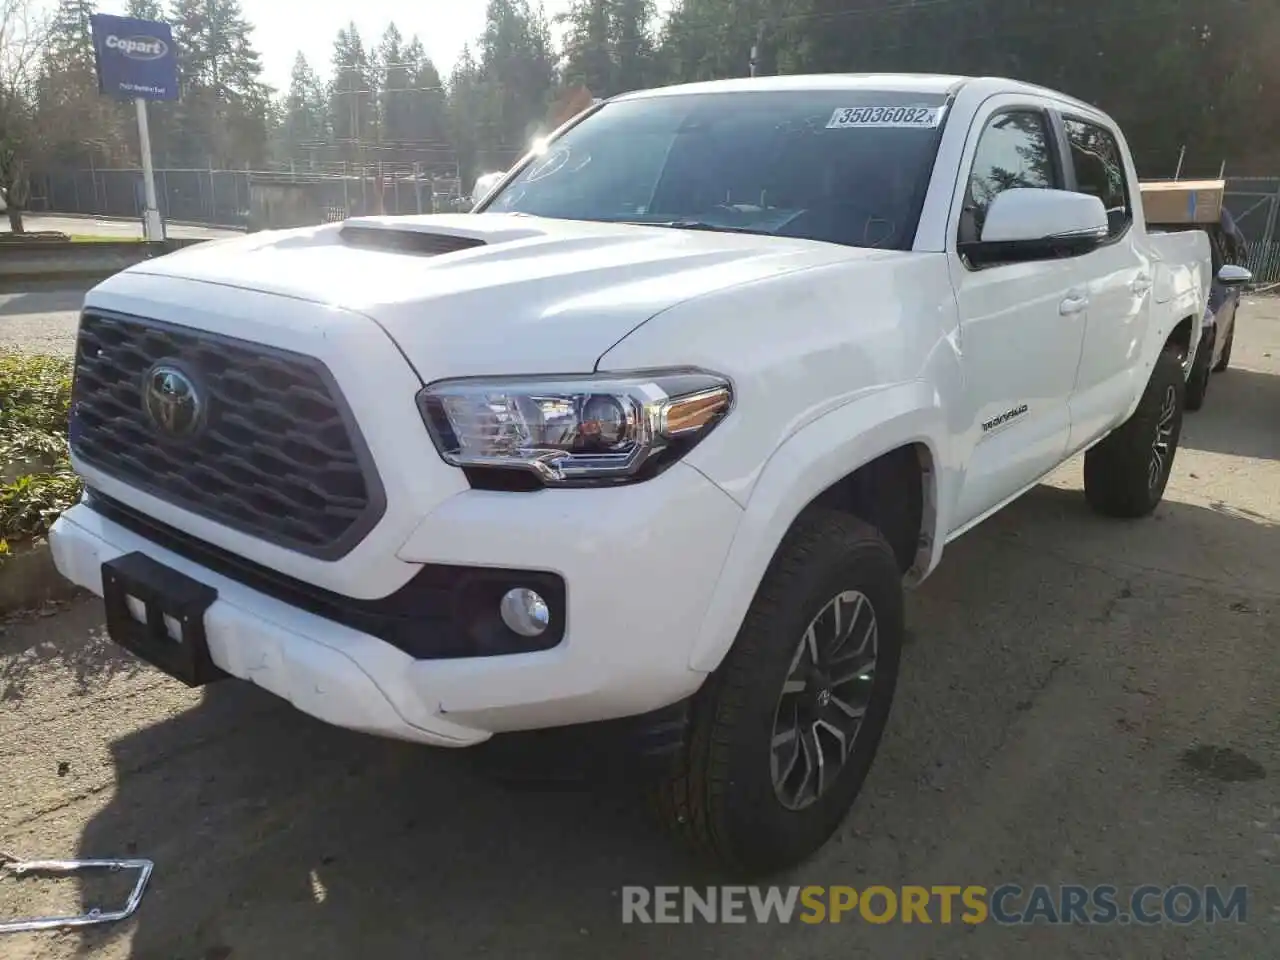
x=1182 y=201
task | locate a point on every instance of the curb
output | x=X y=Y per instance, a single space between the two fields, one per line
x=71 y=276
x=28 y=578
x=67 y=260
x=107 y=218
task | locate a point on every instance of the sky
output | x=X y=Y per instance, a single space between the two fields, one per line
x=281 y=28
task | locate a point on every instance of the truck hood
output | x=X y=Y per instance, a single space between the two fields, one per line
x=469 y=294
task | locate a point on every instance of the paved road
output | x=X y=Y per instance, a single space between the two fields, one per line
x=1067 y=687
x=40 y=318
x=90 y=226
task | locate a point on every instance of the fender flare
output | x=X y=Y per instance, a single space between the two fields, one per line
x=1157 y=336
x=807 y=463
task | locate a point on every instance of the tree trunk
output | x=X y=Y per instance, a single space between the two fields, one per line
x=15 y=220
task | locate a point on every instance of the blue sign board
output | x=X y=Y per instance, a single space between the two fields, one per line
x=136 y=58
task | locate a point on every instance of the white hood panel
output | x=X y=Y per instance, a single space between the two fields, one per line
x=539 y=296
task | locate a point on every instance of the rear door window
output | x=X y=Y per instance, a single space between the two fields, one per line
x=1099 y=169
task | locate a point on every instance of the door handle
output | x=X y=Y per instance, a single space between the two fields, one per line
x=1141 y=283
x=1073 y=304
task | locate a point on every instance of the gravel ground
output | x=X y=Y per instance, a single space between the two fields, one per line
x=1081 y=701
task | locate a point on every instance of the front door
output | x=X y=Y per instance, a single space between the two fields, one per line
x=1022 y=324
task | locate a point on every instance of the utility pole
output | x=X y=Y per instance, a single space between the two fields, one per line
x=755 y=47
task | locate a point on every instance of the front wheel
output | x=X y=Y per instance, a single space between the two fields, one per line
x=784 y=732
x=1125 y=475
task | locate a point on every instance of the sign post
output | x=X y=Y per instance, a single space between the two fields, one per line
x=152 y=225
x=137 y=61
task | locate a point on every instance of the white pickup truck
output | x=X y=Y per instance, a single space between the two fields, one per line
x=661 y=432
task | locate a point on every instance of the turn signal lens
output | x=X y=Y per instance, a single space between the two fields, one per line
x=688 y=414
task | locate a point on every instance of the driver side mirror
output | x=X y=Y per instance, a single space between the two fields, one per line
x=1025 y=224
x=1233 y=276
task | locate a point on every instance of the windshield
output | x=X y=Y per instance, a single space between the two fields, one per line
x=836 y=166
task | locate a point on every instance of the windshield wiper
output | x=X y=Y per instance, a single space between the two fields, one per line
x=711 y=227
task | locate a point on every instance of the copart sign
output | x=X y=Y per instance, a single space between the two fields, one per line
x=135 y=58
x=137 y=48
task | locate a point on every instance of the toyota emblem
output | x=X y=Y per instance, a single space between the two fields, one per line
x=172 y=401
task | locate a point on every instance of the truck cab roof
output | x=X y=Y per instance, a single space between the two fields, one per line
x=924 y=83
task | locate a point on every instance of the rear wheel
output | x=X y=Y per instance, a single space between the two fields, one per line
x=784 y=732
x=1125 y=475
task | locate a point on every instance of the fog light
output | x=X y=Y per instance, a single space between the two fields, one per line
x=524 y=612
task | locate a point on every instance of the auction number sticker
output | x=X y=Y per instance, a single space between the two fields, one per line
x=885 y=117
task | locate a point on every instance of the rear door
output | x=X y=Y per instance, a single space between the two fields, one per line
x=1118 y=275
x=1022 y=324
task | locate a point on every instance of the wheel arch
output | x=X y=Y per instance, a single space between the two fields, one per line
x=853 y=459
x=1181 y=336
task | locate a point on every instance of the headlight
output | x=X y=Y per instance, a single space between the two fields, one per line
x=574 y=430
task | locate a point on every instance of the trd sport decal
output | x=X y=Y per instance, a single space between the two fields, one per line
x=1004 y=417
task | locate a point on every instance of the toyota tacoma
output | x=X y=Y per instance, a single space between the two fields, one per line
x=662 y=429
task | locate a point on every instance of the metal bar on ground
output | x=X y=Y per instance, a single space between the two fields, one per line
x=58 y=868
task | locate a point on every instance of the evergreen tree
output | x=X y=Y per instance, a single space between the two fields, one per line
x=396 y=81
x=71 y=34
x=467 y=112
x=427 y=115
x=429 y=97
x=144 y=10
x=352 y=103
x=225 y=110
x=304 y=120
x=589 y=51
x=610 y=46
x=517 y=76
x=76 y=122
x=630 y=30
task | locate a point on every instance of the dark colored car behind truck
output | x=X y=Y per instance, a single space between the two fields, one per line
x=1229 y=248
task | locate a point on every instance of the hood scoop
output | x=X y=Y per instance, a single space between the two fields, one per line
x=405 y=241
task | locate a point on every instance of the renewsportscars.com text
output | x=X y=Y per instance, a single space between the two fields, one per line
x=1006 y=904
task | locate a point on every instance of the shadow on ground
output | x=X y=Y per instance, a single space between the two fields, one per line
x=63 y=296
x=74 y=644
x=1042 y=701
x=1241 y=416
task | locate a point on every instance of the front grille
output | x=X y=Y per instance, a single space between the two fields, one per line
x=275 y=452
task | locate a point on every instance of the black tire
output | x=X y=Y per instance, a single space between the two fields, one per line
x=720 y=796
x=1225 y=360
x=1198 y=378
x=1119 y=477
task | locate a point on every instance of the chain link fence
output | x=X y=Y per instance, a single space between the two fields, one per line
x=222 y=197
x=1254 y=203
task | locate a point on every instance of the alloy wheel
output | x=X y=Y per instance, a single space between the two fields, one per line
x=1161 y=446
x=824 y=700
